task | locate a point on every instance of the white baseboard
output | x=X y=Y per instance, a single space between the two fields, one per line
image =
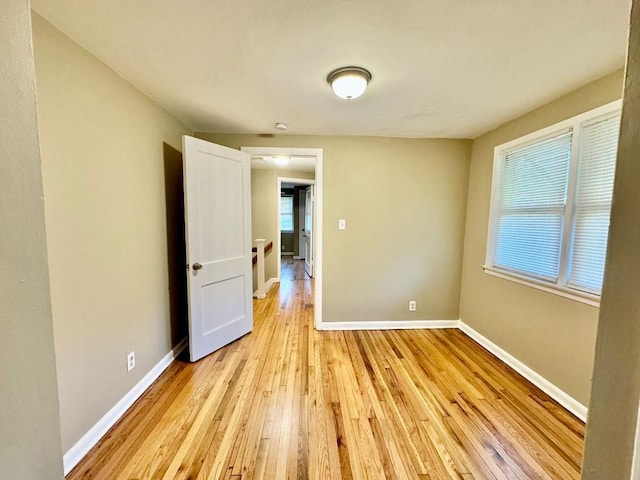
x=91 y=438
x=388 y=325
x=267 y=285
x=298 y=257
x=538 y=380
x=560 y=396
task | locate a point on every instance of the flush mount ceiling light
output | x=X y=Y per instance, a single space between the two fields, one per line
x=349 y=82
x=282 y=161
x=281 y=126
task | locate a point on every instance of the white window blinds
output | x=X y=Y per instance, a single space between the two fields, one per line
x=531 y=207
x=594 y=188
x=550 y=204
x=286 y=213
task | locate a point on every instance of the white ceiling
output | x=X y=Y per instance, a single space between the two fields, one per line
x=440 y=68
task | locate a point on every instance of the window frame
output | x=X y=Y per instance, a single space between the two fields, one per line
x=575 y=125
x=292 y=214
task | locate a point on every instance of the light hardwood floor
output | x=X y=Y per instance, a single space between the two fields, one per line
x=287 y=401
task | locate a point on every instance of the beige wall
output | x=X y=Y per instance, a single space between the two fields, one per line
x=404 y=201
x=29 y=424
x=110 y=163
x=613 y=411
x=552 y=335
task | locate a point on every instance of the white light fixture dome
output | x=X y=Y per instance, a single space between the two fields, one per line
x=349 y=82
x=282 y=161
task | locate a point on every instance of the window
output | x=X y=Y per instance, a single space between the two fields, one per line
x=286 y=213
x=550 y=204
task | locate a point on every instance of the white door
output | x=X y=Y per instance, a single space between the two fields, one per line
x=308 y=231
x=301 y=198
x=217 y=195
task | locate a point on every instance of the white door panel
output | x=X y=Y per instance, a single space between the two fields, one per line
x=218 y=299
x=308 y=230
x=218 y=225
x=226 y=196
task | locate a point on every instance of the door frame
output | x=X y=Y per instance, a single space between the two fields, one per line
x=318 y=182
x=296 y=181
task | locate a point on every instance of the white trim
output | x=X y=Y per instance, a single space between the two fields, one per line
x=73 y=456
x=389 y=325
x=298 y=257
x=317 y=267
x=297 y=181
x=267 y=285
x=563 y=398
x=93 y=436
x=565 y=124
x=575 y=125
x=577 y=295
x=284 y=151
x=317 y=240
x=635 y=463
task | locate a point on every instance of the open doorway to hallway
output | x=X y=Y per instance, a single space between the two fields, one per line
x=281 y=178
x=296 y=221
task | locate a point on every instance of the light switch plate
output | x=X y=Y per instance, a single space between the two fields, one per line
x=342 y=224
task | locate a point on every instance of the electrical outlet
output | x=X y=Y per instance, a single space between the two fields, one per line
x=131 y=361
x=412 y=306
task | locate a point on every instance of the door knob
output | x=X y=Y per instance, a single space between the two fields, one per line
x=197 y=266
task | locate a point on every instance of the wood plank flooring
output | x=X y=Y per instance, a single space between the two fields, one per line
x=287 y=401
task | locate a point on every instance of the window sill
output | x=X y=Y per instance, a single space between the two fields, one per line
x=582 y=297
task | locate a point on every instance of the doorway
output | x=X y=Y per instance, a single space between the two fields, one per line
x=296 y=216
x=287 y=174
